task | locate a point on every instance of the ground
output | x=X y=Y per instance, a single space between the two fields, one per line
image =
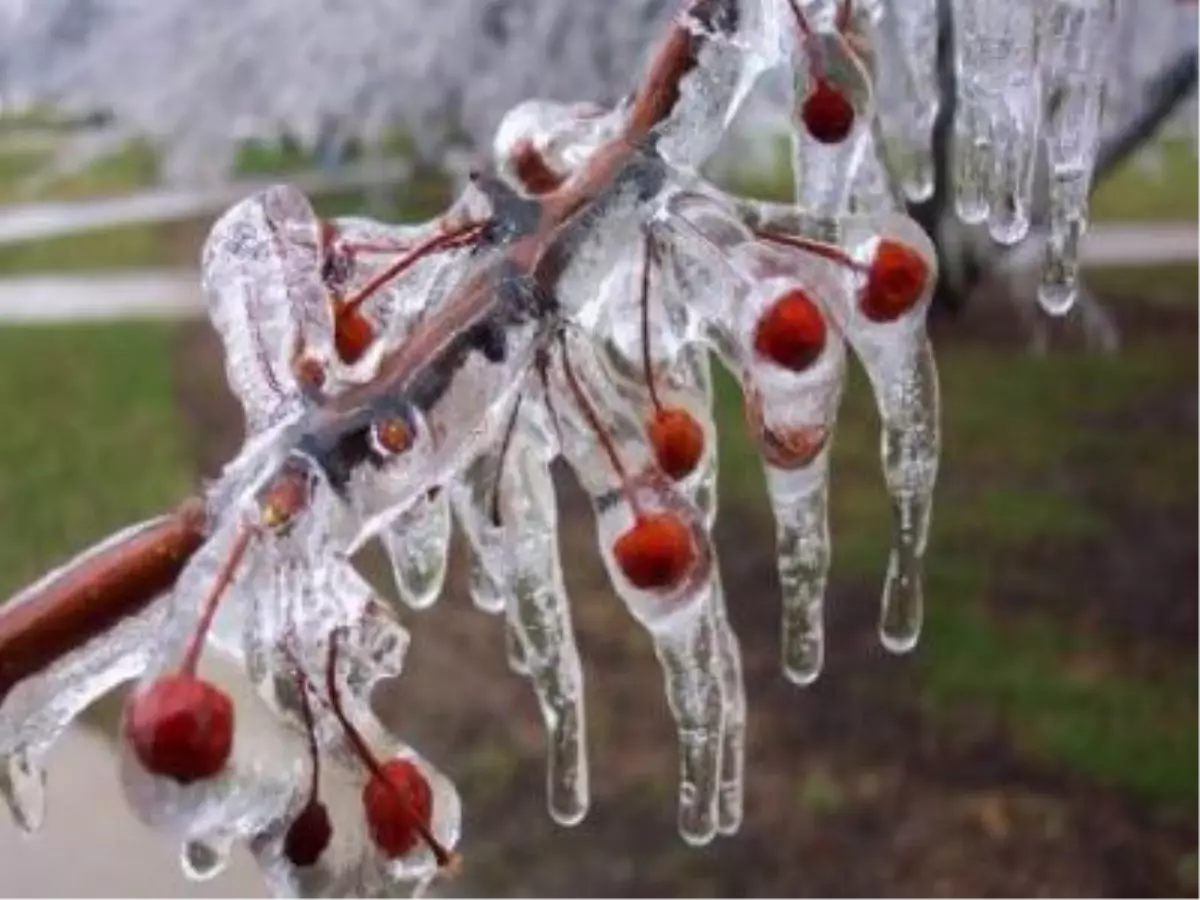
x=1041 y=740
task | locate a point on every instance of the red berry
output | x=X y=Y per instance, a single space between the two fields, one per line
x=308 y=835
x=783 y=448
x=352 y=335
x=532 y=170
x=791 y=333
x=181 y=728
x=391 y=805
x=657 y=552
x=310 y=372
x=895 y=282
x=678 y=441
x=827 y=112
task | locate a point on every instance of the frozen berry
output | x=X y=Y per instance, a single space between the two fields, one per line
x=678 y=441
x=895 y=282
x=532 y=170
x=352 y=335
x=396 y=806
x=828 y=114
x=308 y=835
x=791 y=333
x=181 y=728
x=657 y=552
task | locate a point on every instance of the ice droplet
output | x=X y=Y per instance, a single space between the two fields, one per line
x=202 y=860
x=909 y=451
x=514 y=653
x=23 y=787
x=418 y=545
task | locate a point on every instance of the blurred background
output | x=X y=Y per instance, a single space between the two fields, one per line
x=1042 y=738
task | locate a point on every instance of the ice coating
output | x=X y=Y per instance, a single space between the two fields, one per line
x=395 y=378
x=538 y=616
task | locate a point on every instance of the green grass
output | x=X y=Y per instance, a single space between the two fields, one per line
x=1027 y=446
x=1132 y=195
x=1057 y=696
x=92 y=439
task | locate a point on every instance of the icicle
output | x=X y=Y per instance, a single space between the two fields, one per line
x=999 y=114
x=907 y=40
x=894 y=348
x=202 y=860
x=691 y=659
x=799 y=498
x=1077 y=36
x=540 y=620
x=418 y=545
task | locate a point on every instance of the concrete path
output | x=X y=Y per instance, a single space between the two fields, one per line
x=176 y=293
x=169 y=293
x=92 y=846
x=38 y=221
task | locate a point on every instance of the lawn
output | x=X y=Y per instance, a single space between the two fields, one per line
x=92 y=439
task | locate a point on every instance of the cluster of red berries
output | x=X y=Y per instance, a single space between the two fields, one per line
x=181 y=728
x=658 y=551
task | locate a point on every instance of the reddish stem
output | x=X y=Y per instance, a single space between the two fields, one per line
x=844 y=13
x=593 y=419
x=241 y=543
x=370 y=247
x=647 y=251
x=817 y=248
x=306 y=713
x=460 y=236
x=506 y=442
x=443 y=856
x=801 y=19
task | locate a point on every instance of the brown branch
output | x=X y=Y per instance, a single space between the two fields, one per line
x=97 y=595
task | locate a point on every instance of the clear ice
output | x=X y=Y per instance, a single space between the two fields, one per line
x=396 y=379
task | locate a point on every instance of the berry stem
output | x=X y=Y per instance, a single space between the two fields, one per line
x=843 y=15
x=306 y=713
x=460 y=236
x=647 y=253
x=224 y=578
x=443 y=856
x=817 y=248
x=801 y=19
x=593 y=420
x=373 y=247
x=506 y=442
